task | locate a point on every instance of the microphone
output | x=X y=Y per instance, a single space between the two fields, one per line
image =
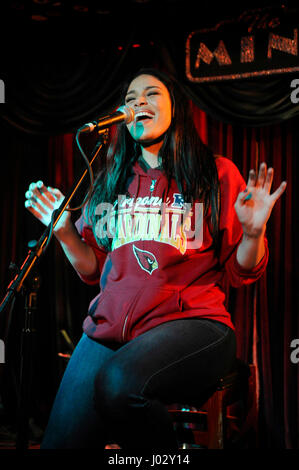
x=122 y=114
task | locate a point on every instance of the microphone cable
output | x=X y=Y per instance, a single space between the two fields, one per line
x=97 y=148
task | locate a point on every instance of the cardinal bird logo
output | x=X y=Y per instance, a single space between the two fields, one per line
x=146 y=260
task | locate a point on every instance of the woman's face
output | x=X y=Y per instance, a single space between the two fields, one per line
x=151 y=102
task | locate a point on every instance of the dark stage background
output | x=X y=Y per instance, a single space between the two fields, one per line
x=62 y=68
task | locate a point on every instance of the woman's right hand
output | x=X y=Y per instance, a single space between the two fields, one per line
x=42 y=200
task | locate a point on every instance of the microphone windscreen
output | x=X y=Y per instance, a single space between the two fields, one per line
x=129 y=112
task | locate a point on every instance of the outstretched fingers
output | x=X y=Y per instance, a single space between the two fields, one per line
x=42 y=194
x=269 y=180
x=42 y=200
x=251 y=179
x=276 y=195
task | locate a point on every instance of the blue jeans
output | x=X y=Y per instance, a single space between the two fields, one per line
x=119 y=393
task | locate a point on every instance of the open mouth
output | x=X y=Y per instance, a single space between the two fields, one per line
x=143 y=116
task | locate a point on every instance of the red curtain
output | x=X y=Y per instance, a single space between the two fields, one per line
x=266 y=313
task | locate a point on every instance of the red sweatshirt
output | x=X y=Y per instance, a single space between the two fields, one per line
x=162 y=265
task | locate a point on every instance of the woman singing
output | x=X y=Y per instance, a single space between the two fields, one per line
x=167 y=224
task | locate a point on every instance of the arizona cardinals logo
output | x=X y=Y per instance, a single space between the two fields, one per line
x=146 y=260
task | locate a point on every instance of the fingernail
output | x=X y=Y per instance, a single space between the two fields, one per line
x=32 y=186
x=39 y=184
x=28 y=194
x=27 y=203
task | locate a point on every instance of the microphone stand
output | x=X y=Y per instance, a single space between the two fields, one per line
x=16 y=285
x=26 y=369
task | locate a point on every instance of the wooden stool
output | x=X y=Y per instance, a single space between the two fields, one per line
x=226 y=417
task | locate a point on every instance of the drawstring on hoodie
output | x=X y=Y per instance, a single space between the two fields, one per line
x=153 y=184
x=152 y=187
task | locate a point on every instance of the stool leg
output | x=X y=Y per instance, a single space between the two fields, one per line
x=215 y=421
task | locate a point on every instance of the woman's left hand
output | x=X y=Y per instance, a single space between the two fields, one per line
x=254 y=205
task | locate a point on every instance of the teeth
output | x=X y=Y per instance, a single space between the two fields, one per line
x=143 y=113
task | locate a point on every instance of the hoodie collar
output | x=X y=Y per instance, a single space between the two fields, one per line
x=141 y=167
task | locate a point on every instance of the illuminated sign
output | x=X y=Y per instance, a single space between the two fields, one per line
x=259 y=42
